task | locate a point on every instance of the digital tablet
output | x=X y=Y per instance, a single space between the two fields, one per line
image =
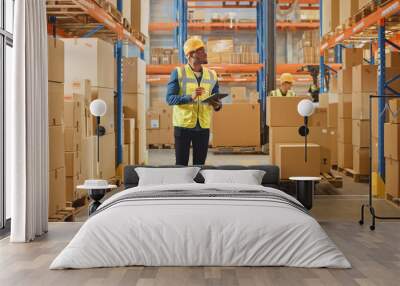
x=215 y=96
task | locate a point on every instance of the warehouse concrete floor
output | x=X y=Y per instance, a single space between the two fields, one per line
x=374 y=255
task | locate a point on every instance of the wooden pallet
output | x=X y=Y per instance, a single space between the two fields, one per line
x=366 y=10
x=393 y=200
x=336 y=181
x=359 y=178
x=161 y=146
x=237 y=150
x=65 y=214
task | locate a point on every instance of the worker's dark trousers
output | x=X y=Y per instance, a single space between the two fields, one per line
x=199 y=140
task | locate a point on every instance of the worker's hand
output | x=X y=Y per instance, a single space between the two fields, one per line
x=198 y=92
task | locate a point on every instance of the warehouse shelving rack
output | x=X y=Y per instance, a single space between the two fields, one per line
x=87 y=18
x=380 y=28
x=265 y=28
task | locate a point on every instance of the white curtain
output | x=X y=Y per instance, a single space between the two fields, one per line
x=27 y=124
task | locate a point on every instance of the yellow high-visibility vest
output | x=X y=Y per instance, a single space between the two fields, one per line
x=277 y=92
x=186 y=115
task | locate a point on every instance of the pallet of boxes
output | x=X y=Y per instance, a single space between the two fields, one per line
x=391 y=133
x=57 y=199
x=89 y=75
x=286 y=146
x=135 y=105
x=236 y=127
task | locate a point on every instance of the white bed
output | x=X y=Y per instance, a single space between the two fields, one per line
x=200 y=231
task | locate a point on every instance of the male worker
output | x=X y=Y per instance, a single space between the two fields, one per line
x=188 y=87
x=285 y=89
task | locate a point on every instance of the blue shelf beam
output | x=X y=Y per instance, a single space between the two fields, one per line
x=182 y=28
x=118 y=58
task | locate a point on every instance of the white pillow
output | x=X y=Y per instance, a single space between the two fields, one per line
x=248 y=177
x=166 y=176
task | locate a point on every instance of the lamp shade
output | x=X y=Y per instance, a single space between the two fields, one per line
x=305 y=108
x=98 y=107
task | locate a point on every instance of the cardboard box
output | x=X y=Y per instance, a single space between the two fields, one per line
x=153 y=120
x=238 y=94
x=130 y=104
x=390 y=73
x=347 y=9
x=290 y=159
x=364 y=78
x=214 y=58
x=319 y=118
x=160 y=136
x=56 y=147
x=361 y=133
x=237 y=125
x=129 y=130
x=277 y=118
x=55 y=60
x=360 y=106
x=71 y=193
x=140 y=16
x=56 y=190
x=394 y=112
x=344 y=130
x=323 y=100
x=88 y=58
x=107 y=121
x=345 y=155
x=55 y=103
x=220 y=46
x=331 y=15
x=345 y=80
x=333 y=115
x=73 y=114
x=72 y=164
x=374 y=154
x=279 y=135
x=361 y=164
x=107 y=157
x=392 y=182
x=125 y=154
x=324 y=143
x=131 y=154
x=392 y=59
x=141 y=152
x=392 y=141
x=344 y=105
x=72 y=140
x=333 y=145
x=352 y=56
x=133 y=75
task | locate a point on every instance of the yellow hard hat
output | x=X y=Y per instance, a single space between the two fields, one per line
x=192 y=45
x=287 y=77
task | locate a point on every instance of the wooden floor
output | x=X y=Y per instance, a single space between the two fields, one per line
x=375 y=256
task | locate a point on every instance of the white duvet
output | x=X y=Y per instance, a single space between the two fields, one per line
x=202 y=232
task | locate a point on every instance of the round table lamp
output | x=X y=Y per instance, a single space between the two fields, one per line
x=98 y=108
x=305 y=108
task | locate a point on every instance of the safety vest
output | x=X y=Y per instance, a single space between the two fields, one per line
x=277 y=92
x=186 y=115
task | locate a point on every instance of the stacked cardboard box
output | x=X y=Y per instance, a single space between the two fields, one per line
x=56 y=126
x=140 y=14
x=284 y=137
x=89 y=75
x=136 y=102
x=129 y=141
x=392 y=151
x=240 y=94
x=330 y=16
x=160 y=130
x=364 y=83
x=224 y=51
x=347 y=9
x=164 y=56
x=236 y=125
x=308 y=47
